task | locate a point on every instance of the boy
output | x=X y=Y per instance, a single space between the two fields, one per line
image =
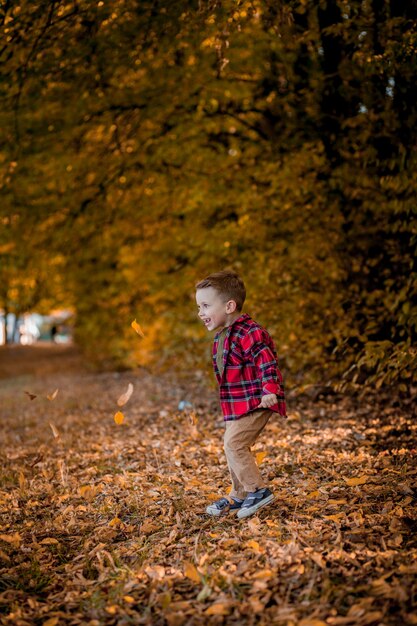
x=251 y=387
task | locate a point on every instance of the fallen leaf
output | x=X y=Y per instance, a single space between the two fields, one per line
x=49 y=541
x=125 y=397
x=219 y=608
x=32 y=396
x=12 y=539
x=254 y=545
x=112 y=609
x=156 y=572
x=335 y=518
x=52 y=621
x=352 y=482
x=129 y=599
x=119 y=417
x=191 y=572
x=136 y=327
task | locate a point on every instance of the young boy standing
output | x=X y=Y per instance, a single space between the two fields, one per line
x=250 y=384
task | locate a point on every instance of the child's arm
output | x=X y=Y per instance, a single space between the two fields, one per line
x=256 y=350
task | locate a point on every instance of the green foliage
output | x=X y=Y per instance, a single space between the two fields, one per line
x=150 y=145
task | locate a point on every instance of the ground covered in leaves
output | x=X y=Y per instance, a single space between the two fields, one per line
x=104 y=523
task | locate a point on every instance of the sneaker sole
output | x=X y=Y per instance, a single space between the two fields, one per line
x=217 y=513
x=246 y=512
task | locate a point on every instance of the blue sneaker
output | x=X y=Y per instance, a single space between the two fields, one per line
x=223 y=506
x=254 y=501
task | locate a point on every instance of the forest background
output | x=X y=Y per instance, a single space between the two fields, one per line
x=145 y=144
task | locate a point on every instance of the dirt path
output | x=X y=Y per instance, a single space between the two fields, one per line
x=105 y=524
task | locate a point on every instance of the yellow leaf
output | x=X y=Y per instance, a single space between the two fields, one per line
x=12 y=539
x=136 y=327
x=129 y=599
x=89 y=492
x=260 y=457
x=264 y=574
x=116 y=521
x=191 y=572
x=254 y=545
x=119 y=417
x=112 y=609
x=4 y=556
x=52 y=621
x=219 y=608
x=311 y=621
x=48 y=541
x=125 y=397
x=352 y=482
x=335 y=518
x=52 y=396
x=313 y=494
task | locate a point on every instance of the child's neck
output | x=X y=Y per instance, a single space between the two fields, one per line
x=231 y=318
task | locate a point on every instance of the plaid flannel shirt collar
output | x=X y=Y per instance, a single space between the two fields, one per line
x=226 y=344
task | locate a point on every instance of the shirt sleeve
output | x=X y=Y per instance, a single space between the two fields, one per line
x=256 y=349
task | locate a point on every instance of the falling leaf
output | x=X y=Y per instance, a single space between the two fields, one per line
x=119 y=417
x=125 y=397
x=191 y=572
x=53 y=395
x=260 y=457
x=352 y=482
x=54 y=430
x=136 y=327
x=32 y=396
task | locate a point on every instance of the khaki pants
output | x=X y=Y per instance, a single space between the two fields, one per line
x=239 y=436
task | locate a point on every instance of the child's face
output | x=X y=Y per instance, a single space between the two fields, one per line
x=212 y=309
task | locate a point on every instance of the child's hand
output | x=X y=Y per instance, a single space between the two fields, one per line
x=269 y=400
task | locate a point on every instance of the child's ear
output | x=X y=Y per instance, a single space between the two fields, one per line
x=231 y=306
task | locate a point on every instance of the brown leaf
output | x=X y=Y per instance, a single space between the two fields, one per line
x=191 y=572
x=53 y=395
x=353 y=482
x=125 y=397
x=32 y=396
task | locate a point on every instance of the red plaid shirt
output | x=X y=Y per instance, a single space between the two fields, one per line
x=250 y=369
